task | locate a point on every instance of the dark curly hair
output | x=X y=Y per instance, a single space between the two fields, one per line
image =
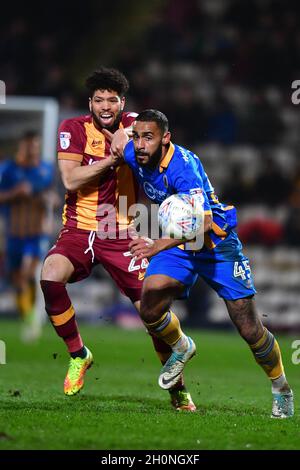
x=107 y=79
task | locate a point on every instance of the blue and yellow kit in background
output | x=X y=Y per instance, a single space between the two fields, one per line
x=25 y=216
x=220 y=262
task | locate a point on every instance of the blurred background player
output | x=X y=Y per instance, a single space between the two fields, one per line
x=26 y=200
x=93 y=179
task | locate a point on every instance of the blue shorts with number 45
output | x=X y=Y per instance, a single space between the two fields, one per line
x=224 y=268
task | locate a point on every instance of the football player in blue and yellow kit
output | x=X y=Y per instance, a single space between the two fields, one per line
x=25 y=201
x=163 y=168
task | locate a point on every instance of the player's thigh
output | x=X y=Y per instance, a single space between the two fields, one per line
x=159 y=291
x=57 y=268
x=116 y=259
x=160 y=282
x=69 y=260
x=175 y=264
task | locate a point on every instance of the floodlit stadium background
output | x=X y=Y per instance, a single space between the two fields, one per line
x=222 y=71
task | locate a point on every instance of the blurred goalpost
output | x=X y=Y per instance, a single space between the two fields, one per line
x=19 y=114
x=22 y=113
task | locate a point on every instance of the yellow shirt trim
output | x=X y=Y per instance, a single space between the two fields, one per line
x=77 y=157
x=167 y=158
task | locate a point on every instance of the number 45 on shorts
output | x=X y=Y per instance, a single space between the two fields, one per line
x=242 y=269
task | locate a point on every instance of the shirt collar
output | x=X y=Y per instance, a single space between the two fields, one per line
x=167 y=158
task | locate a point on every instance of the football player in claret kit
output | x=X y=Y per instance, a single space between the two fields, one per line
x=163 y=168
x=95 y=179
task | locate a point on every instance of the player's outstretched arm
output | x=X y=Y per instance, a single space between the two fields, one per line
x=75 y=176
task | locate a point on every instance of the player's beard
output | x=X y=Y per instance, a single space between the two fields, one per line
x=153 y=159
x=111 y=128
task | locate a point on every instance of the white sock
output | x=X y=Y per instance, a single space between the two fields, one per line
x=280 y=384
x=181 y=345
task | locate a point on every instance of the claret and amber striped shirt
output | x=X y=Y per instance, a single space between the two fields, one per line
x=80 y=140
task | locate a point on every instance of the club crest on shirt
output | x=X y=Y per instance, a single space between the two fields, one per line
x=65 y=140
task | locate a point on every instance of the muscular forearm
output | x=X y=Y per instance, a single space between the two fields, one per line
x=165 y=243
x=82 y=175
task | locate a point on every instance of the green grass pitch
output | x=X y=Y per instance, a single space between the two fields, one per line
x=121 y=405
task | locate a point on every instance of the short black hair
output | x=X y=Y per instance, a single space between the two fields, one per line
x=107 y=79
x=153 y=115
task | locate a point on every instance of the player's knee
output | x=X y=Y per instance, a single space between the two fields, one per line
x=157 y=296
x=151 y=309
x=150 y=314
x=154 y=304
x=49 y=272
x=56 y=268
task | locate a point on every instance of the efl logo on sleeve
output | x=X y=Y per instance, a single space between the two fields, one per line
x=65 y=140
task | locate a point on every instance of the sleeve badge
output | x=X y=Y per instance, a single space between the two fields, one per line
x=65 y=140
